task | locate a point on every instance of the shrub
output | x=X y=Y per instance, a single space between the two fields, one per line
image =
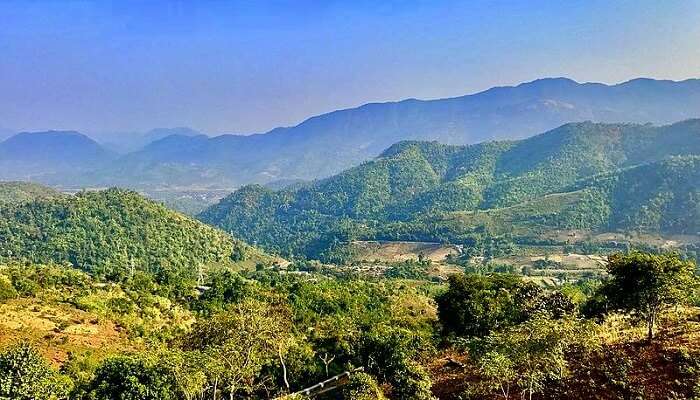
x=7 y=291
x=362 y=386
x=25 y=375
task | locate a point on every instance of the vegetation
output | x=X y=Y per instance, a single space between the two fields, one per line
x=18 y=192
x=115 y=233
x=645 y=285
x=262 y=334
x=24 y=375
x=106 y=295
x=476 y=305
x=585 y=176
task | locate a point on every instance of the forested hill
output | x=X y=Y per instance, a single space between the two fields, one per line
x=114 y=232
x=431 y=191
x=658 y=197
x=18 y=192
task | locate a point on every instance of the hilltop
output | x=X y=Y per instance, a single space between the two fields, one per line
x=18 y=192
x=114 y=233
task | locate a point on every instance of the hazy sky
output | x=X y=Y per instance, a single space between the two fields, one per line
x=246 y=67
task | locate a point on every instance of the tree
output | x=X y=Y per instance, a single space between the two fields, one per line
x=412 y=382
x=24 y=375
x=7 y=291
x=530 y=354
x=390 y=354
x=132 y=377
x=240 y=342
x=498 y=372
x=646 y=284
x=475 y=305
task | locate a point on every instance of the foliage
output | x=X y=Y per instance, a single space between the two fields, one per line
x=113 y=233
x=19 y=192
x=646 y=284
x=362 y=386
x=476 y=305
x=132 y=377
x=24 y=375
x=579 y=176
x=529 y=355
x=264 y=334
x=408 y=270
x=240 y=342
x=7 y=290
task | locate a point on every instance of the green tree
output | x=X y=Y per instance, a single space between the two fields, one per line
x=646 y=284
x=475 y=305
x=7 y=291
x=24 y=375
x=240 y=342
x=132 y=377
x=390 y=354
x=498 y=372
x=530 y=354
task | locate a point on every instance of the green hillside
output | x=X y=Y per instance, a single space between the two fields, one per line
x=114 y=232
x=578 y=176
x=18 y=192
x=660 y=197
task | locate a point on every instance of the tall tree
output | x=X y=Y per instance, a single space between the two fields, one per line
x=241 y=342
x=646 y=284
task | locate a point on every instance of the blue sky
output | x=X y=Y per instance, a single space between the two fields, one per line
x=228 y=66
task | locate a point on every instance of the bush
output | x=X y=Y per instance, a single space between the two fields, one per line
x=413 y=383
x=132 y=377
x=362 y=386
x=25 y=375
x=7 y=291
x=476 y=305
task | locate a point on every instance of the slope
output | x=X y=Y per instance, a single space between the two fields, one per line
x=409 y=192
x=113 y=233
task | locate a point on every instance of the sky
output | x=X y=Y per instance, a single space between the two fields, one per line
x=249 y=66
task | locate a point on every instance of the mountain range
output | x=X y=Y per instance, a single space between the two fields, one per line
x=591 y=176
x=327 y=144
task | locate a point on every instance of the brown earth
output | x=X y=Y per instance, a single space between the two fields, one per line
x=58 y=329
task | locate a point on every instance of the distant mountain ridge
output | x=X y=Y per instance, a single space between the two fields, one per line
x=49 y=155
x=329 y=143
x=579 y=176
x=326 y=144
